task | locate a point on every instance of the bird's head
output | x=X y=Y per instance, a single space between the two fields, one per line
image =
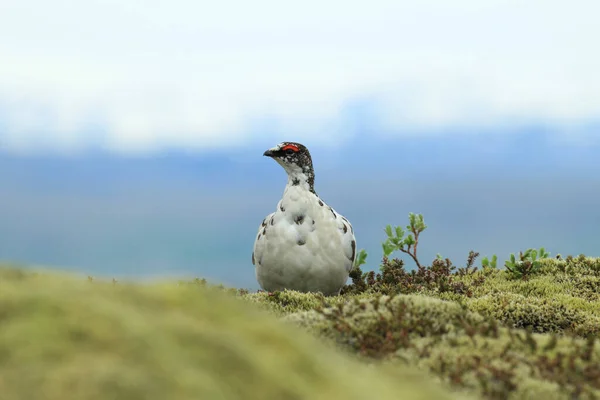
x=296 y=160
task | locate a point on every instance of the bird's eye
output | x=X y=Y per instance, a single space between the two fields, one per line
x=289 y=152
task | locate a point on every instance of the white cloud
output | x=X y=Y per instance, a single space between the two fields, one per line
x=140 y=75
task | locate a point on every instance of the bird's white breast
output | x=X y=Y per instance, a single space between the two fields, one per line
x=304 y=245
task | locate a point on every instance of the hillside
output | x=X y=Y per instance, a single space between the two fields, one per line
x=63 y=337
x=436 y=333
x=484 y=330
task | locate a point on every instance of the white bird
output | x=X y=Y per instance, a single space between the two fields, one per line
x=305 y=245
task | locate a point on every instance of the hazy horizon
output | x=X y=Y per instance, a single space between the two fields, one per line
x=196 y=215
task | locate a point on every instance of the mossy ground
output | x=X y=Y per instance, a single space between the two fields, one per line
x=483 y=330
x=474 y=334
x=63 y=337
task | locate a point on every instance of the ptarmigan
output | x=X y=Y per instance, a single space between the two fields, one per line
x=305 y=245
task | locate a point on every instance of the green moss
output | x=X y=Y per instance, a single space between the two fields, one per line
x=580 y=265
x=462 y=347
x=289 y=301
x=539 y=314
x=371 y=326
x=481 y=332
x=563 y=296
x=66 y=338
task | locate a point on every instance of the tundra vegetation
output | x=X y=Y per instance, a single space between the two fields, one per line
x=474 y=331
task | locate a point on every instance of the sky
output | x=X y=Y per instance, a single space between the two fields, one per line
x=139 y=76
x=129 y=129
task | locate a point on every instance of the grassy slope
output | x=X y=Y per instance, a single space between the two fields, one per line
x=482 y=333
x=66 y=338
x=501 y=338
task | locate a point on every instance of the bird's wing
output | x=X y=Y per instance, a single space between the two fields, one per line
x=348 y=239
x=259 y=243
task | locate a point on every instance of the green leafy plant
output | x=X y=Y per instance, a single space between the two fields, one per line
x=408 y=244
x=527 y=264
x=394 y=279
x=361 y=258
x=487 y=263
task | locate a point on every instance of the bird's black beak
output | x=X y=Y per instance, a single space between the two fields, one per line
x=269 y=153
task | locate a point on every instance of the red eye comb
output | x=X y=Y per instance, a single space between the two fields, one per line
x=290 y=147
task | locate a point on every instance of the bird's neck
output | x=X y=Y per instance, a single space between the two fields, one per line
x=302 y=179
